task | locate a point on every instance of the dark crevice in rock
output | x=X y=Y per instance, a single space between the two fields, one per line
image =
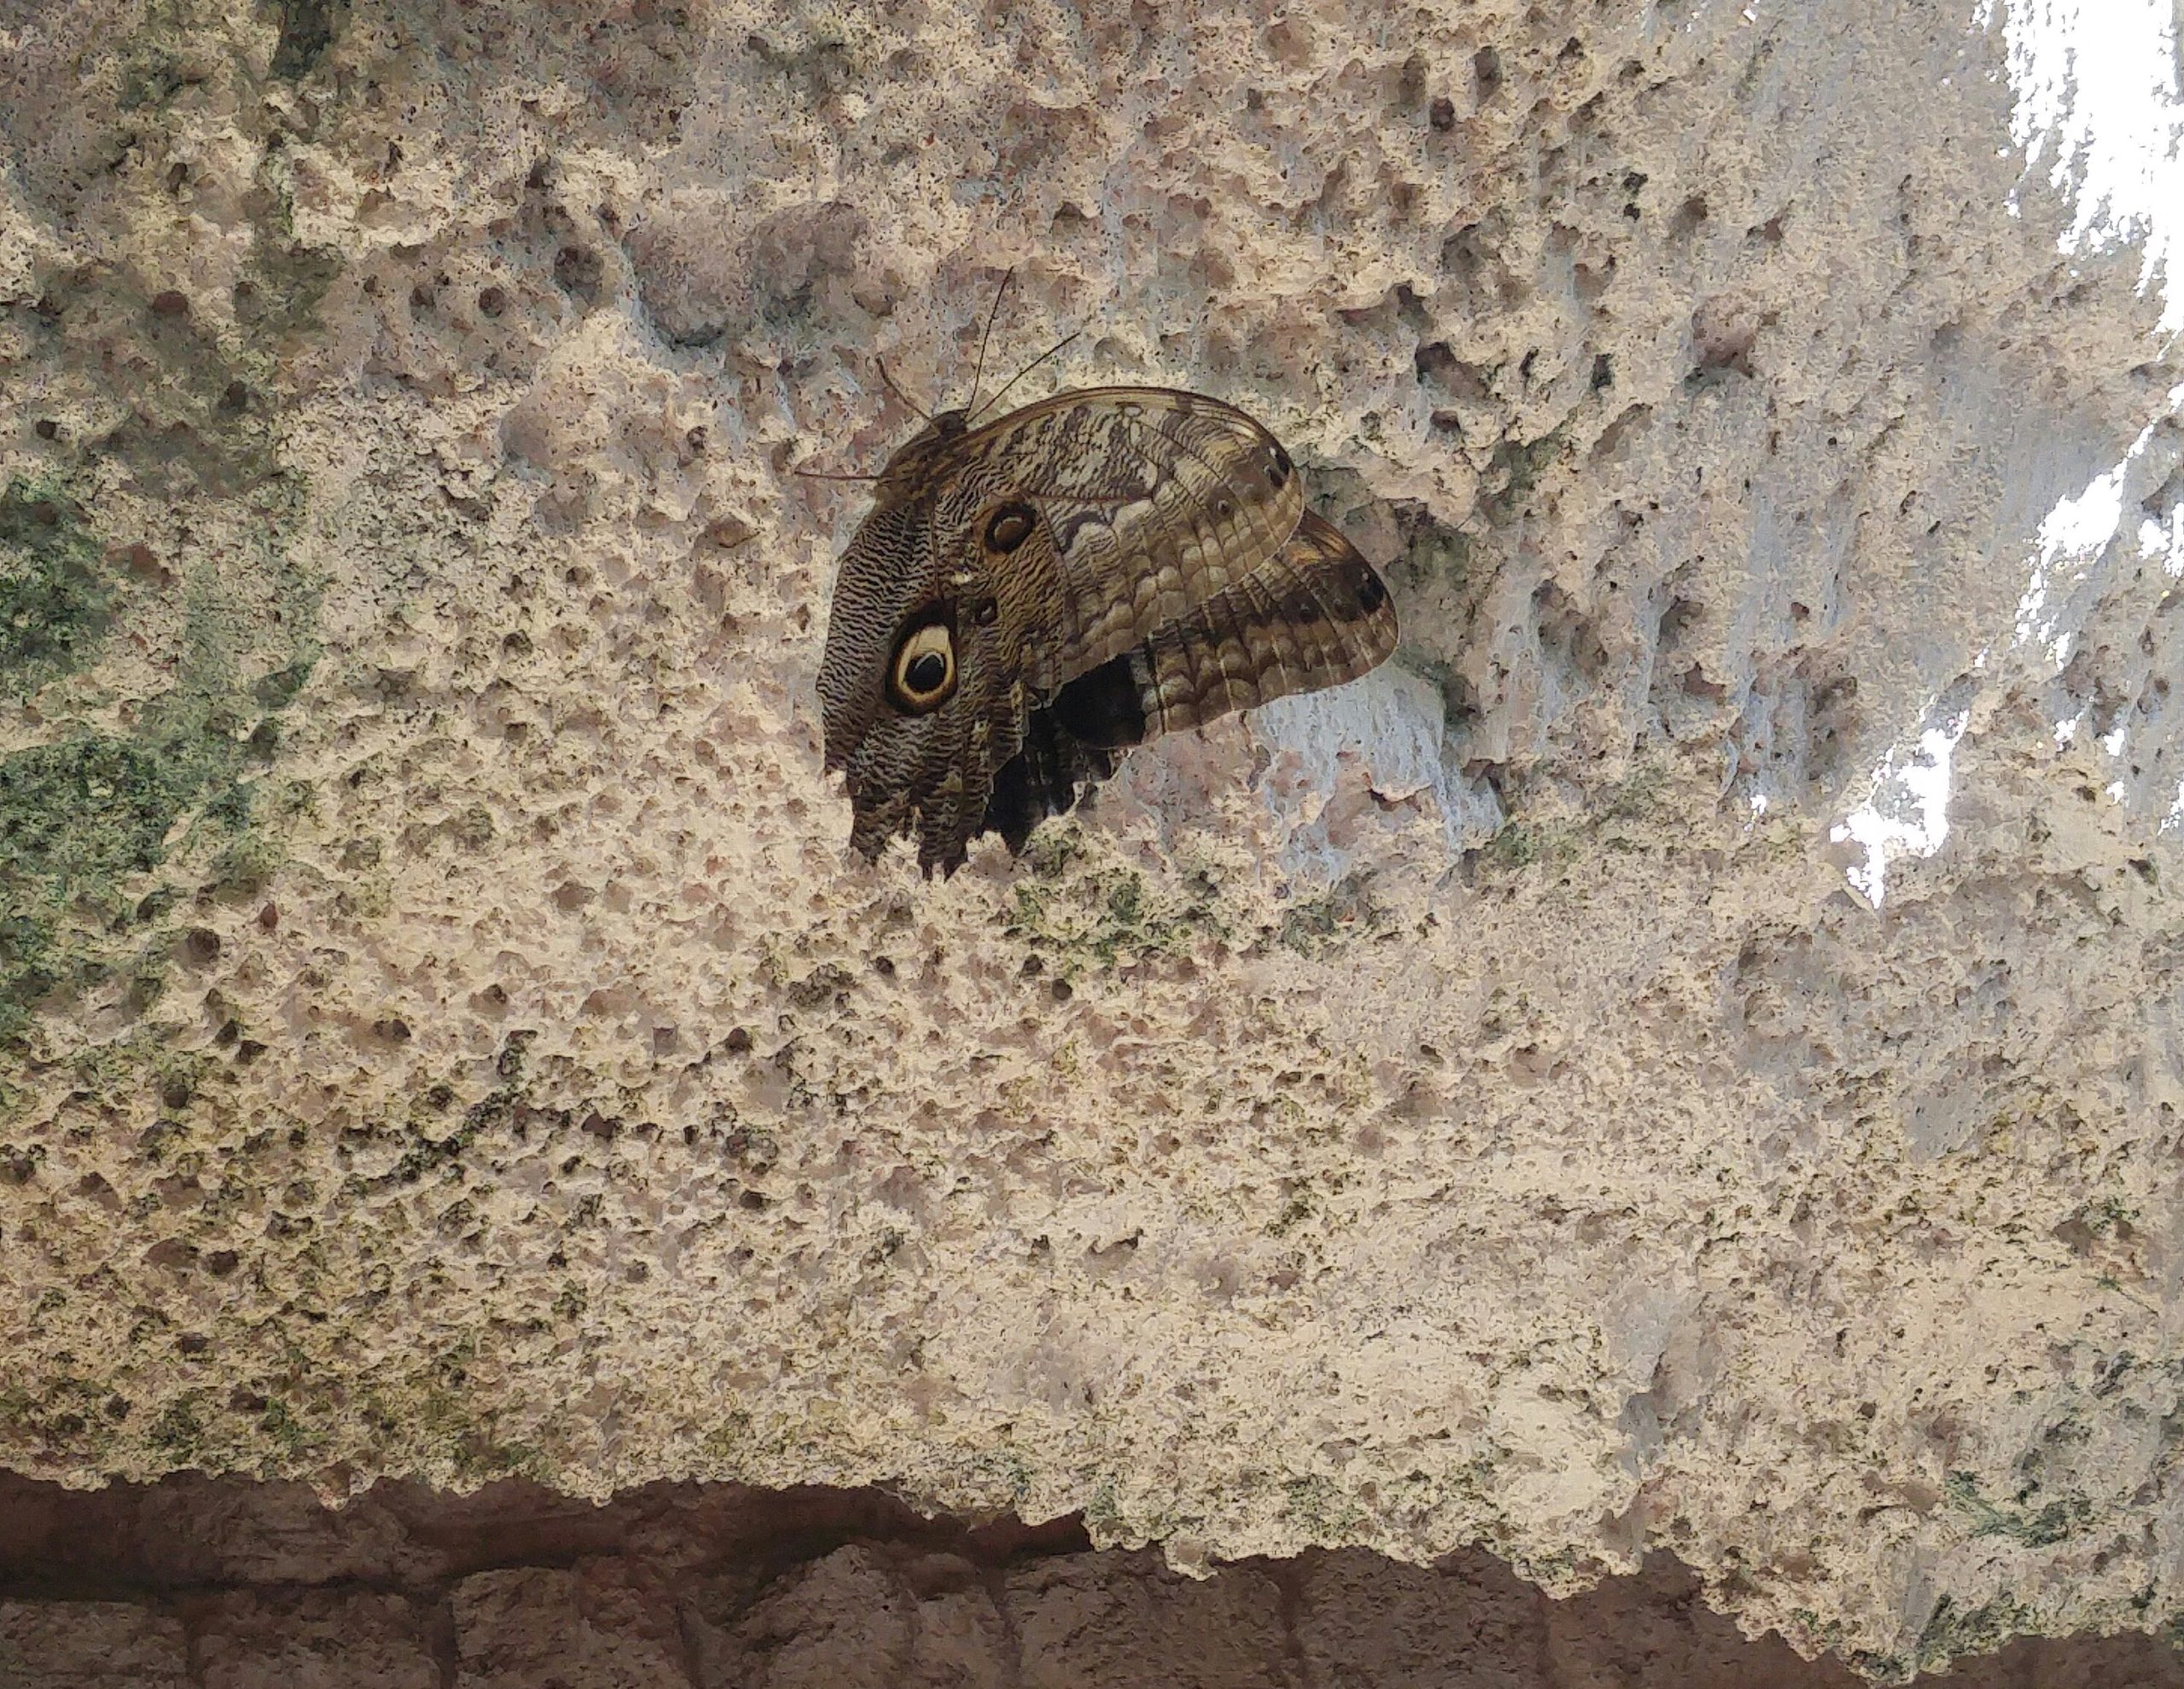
x=307 y=30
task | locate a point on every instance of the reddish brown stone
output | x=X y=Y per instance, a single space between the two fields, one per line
x=90 y=1645
x=1095 y=1620
x=206 y=1584
x=315 y=1639
x=1370 y=1623
x=596 y=1628
x=846 y=1621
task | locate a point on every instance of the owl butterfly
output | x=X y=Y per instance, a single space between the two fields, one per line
x=1030 y=596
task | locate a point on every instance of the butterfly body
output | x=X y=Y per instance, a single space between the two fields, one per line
x=1030 y=595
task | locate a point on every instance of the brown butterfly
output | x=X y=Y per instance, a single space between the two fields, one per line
x=1032 y=595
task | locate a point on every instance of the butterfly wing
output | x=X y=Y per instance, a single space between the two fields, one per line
x=1107 y=565
x=1126 y=507
x=1314 y=615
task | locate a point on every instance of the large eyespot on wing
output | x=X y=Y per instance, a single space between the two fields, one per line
x=930 y=776
x=1316 y=615
x=1082 y=535
x=951 y=714
x=922 y=676
x=1142 y=502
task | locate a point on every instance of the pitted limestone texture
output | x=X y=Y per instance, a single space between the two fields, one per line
x=1502 y=1104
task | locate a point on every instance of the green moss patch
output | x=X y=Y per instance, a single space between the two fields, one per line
x=83 y=816
x=1096 y=918
x=56 y=600
x=1520 y=845
x=77 y=819
x=1316 y=925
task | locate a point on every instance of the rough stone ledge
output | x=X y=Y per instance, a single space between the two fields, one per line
x=208 y=1583
x=444 y=1035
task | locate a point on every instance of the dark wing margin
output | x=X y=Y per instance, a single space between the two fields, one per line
x=1315 y=616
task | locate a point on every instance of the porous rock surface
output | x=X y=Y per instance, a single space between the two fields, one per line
x=447 y=1037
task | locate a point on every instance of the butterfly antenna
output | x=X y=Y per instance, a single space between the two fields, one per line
x=822 y=475
x=898 y=392
x=1026 y=370
x=978 y=370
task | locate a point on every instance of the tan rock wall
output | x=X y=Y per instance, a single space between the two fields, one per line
x=446 y=1037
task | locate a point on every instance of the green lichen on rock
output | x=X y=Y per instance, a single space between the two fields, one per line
x=84 y=816
x=1951 y=1634
x=1434 y=553
x=77 y=819
x=56 y=600
x=1315 y=927
x=1096 y=918
x=1519 y=465
x=1520 y=845
x=2054 y=1521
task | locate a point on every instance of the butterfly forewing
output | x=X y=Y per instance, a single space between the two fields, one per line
x=1148 y=502
x=1314 y=616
